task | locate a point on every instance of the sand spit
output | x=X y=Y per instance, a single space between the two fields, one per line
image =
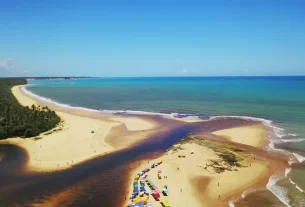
x=247 y=135
x=74 y=140
x=201 y=172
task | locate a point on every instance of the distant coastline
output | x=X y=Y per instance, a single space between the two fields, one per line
x=42 y=148
x=134 y=125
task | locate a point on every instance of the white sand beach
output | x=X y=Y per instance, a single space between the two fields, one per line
x=193 y=181
x=75 y=140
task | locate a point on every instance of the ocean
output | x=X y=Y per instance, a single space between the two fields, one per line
x=279 y=102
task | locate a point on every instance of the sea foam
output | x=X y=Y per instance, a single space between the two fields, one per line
x=279 y=191
x=232 y=203
x=293 y=140
x=300 y=158
x=50 y=101
x=287 y=171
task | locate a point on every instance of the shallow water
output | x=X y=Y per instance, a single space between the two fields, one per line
x=99 y=182
x=278 y=99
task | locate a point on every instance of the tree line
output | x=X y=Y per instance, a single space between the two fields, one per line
x=20 y=121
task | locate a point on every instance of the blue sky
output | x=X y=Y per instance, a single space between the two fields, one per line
x=152 y=38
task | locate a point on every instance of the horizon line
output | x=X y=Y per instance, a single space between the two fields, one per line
x=186 y=76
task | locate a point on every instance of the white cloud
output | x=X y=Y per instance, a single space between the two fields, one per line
x=184 y=70
x=6 y=63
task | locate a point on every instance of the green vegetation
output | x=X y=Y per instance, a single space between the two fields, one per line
x=20 y=121
x=229 y=157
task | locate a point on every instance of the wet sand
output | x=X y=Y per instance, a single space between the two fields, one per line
x=75 y=139
x=106 y=179
x=193 y=181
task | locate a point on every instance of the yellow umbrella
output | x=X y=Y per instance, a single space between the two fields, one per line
x=145 y=199
x=165 y=203
x=135 y=200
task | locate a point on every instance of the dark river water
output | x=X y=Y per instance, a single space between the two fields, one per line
x=98 y=182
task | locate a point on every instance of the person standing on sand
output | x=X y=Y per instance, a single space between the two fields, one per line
x=218 y=184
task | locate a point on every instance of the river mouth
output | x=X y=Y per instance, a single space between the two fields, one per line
x=101 y=181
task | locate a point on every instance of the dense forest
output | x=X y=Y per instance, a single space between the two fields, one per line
x=19 y=121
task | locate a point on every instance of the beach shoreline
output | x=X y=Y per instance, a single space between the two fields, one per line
x=201 y=188
x=78 y=137
x=47 y=154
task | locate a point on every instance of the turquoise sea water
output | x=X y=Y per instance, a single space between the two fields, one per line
x=277 y=99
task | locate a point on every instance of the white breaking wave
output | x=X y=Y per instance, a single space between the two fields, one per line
x=47 y=100
x=192 y=118
x=296 y=186
x=293 y=135
x=293 y=140
x=300 y=158
x=300 y=189
x=129 y=112
x=292 y=158
x=265 y=121
x=292 y=182
x=280 y=192
x=232 y=203
x=287 y=171
x=279 y=132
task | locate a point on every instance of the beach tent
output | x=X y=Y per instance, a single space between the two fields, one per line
x=159 y=171
x=136 y=190
x=192 y=152
x=153 y=165
x=133 y=196
x=145 y=170
x=144 y=176
x=156 y=195
x=142 y=189
x=92 y=132
x=165 y=191
x=146 y=193
x=165 y=203
x=140 y=204
x=149 y=204
x=135 y=200
x=135 y=182
x=156 y=191
x=160 y=161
